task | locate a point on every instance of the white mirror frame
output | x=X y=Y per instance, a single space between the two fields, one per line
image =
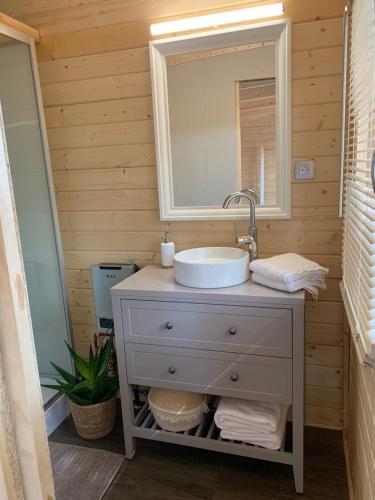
x=279 y=31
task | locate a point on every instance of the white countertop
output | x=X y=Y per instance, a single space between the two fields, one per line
x=155 y=283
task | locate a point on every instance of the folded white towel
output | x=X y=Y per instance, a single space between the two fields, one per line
x=234 y=413
x=312 y=286
x=266 y=439
x=287 y=268
x=289 y=272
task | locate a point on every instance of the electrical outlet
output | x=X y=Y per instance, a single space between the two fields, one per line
x=304 y=169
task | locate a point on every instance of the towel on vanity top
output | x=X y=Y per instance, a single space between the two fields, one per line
x=256 y=422
x=289 y=272
x=312 y=285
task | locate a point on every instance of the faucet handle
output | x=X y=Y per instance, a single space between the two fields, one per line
x=241 y=240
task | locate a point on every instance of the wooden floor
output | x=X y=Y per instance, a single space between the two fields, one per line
x=167 y=472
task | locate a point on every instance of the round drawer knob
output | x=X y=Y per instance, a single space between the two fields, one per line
x=234 y=377
x=168 y=325
x=172 y=370
x=232 y=330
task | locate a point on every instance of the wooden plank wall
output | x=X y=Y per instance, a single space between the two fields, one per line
x=97 y=97
x=361 y=426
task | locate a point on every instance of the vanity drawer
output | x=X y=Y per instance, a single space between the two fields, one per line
x=225 y=374
x=254 y=330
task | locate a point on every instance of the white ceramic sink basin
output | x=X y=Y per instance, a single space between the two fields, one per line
x=211 y=267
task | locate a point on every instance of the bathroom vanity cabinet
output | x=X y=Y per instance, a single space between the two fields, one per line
x=245 y=341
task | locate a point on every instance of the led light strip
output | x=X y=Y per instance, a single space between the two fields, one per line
x=218 y=19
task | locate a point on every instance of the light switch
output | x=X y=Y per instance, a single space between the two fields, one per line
x=304 y=169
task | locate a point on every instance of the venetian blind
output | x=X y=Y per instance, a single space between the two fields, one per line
x=359 y=199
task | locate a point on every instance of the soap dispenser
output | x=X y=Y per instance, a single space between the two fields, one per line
x=167 y=251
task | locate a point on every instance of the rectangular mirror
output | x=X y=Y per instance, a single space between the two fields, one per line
x=222 y=121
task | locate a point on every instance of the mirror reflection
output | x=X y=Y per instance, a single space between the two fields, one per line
x=256 y=107
x=222 y=122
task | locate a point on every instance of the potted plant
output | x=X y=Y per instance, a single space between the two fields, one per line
x=91 y=394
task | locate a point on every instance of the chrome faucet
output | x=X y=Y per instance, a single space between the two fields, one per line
x=250 y=238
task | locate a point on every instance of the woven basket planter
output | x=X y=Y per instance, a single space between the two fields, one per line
x=94 y=421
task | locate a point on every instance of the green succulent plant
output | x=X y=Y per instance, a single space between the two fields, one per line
x=93 y=384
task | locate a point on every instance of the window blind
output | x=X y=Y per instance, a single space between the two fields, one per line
x=358 y=195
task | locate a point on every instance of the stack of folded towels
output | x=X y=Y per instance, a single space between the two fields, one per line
x=289 y=272
x=254 y=422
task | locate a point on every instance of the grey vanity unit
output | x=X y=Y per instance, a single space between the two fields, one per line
x=245 y=341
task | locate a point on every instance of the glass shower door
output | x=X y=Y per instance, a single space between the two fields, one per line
x=34 y=205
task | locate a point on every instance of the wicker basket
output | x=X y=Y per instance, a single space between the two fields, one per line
x=176 y=411
x=94 y=421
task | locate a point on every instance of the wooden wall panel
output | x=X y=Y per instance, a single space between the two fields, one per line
x=318 y=62
x=317 y=90
x=106 y=179
x=97 y=89
x=95 y=65
x=122 y=155
x=112 y=111
x=97 y=96
x=120 y=199
x=109 y=134
x=316 y=117
x=313 y=194
x=318 y=33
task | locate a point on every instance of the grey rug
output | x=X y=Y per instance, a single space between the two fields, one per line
x=82 y=473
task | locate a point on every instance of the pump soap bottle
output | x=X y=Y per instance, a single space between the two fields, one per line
x=167 y=251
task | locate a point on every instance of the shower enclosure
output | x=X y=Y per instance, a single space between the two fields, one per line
x=28 y=154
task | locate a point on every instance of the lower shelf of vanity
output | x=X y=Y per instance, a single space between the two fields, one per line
x=206 y=436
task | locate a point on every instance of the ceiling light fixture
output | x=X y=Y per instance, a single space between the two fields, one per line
x=218 y=19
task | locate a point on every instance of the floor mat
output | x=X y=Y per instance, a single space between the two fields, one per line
x=82 y=473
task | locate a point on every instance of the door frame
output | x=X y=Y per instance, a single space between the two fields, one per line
x=25 y=467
